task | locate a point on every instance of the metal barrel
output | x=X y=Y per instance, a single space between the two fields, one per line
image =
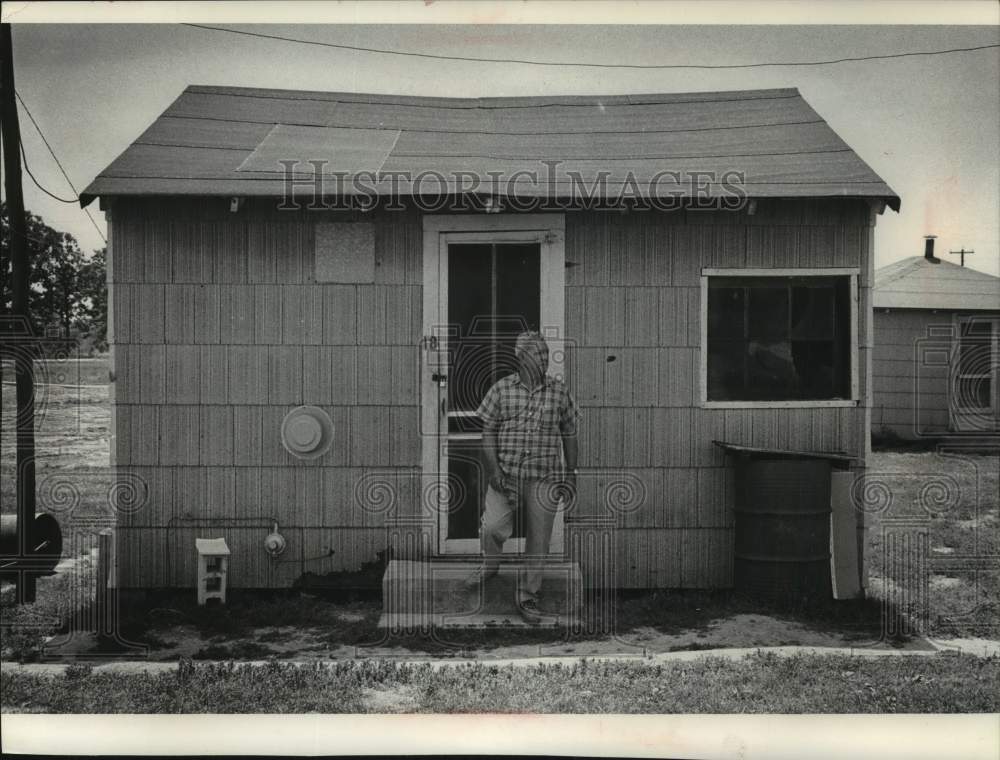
x=782 y=527
x=44 y=545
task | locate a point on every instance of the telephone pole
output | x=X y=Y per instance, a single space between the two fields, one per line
x=23 y=364
x=963 y=253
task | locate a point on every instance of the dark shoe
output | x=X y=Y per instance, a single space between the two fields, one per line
x=479 y=576
x=529 y=611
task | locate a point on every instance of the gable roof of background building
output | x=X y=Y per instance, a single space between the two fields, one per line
x=916 y=283
x=228 y=141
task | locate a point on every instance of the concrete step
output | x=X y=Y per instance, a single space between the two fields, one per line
x=420 y=594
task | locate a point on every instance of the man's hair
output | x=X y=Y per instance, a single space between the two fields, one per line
x=531 y=336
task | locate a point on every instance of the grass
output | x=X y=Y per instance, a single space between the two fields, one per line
x=73 y=481
x=72 y=443
x=955 y=499
x=762 y=683
x=24 y=628
x=212 y=688
x=756 y=684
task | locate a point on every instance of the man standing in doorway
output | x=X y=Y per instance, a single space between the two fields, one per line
x=529 y=419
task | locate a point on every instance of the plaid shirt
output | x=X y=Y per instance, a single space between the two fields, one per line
x=529 y=424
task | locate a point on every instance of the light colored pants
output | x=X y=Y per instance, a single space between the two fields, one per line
x=498 y=524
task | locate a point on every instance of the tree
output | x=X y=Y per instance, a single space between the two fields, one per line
x=93 y=283
x=62 y=280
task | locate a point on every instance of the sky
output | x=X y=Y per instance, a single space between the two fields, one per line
x=929 y=126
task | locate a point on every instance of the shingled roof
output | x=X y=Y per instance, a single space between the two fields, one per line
x=918 y=283
x=228 y=140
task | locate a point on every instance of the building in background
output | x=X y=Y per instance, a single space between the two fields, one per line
x=936 y=367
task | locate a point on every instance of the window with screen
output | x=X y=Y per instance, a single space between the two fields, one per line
x=976 y=367
x=778 y=339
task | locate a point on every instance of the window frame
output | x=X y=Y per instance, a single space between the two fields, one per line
x=958 y=416
x=852 y=273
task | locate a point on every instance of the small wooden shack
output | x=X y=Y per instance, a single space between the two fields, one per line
x=701 y=264
x=937 y=349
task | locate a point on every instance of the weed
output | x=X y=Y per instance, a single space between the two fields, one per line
x=24 y=630
x=78 y=670
x=237 y=650
x=694 y=647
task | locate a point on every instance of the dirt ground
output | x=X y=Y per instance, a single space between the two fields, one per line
x=738 y=631
x=170 y=633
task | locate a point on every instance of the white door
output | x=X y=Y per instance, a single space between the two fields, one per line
x=488 y=278
x=974 y=398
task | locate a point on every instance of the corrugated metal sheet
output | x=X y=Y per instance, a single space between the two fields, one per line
x=225 y=141
x=916 y=283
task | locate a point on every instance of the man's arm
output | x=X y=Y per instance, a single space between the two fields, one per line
x=489 y=413
x=490 y=453
x=570 y=444
x=570 y=450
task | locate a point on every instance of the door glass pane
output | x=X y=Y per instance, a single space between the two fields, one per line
x=494 y=293
x=470 y=301
x=465 y=488
x=518 y=302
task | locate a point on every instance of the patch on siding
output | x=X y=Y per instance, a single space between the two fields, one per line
x=342 y=149
x=345 y=252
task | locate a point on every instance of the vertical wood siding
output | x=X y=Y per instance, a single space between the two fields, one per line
x=633 y=327
x=910 y=396
x=220 y=330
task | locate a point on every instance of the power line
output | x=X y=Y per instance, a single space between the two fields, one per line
x=58 y=163
x=586 y=64
x=24 y=162
x=44 y=140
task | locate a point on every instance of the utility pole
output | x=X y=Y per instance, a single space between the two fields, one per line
x=23 y=364
x=963 y=253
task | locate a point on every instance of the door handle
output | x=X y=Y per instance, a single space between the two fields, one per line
x=440 y=379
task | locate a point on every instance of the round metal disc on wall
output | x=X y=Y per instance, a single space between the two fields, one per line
x=307 y=432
